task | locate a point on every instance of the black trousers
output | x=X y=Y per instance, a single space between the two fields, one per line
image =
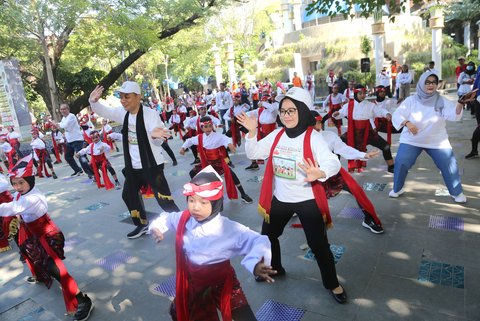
x=133 y=199
x=376 y=141
x=315 y=232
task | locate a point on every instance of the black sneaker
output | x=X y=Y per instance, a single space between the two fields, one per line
x=391 y=168
x=118 y=150
x=471 y=155
x=77 y=173
x=373 y=227
x=32 y=280
x=85 y=307
x=54 y=176
x=247 y=199
x=196 y=161
x=252 y=167
x=138 y=231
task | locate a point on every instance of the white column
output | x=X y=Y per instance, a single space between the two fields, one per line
x=436 y=24
x=466 y=36
x=297 y=59
x=218 y=64
x=287 y=23
x=478 y=35
x=232 y=76
x=297 y=14
x=378 y=32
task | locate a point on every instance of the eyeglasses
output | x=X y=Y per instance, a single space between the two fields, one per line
x=430 y=83
x=290 y=112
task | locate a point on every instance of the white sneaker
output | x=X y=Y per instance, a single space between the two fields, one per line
x=460 y=198
x=397 y=194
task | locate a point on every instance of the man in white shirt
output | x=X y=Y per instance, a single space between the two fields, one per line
x=223 y=102
x=74 y=138
x=143 y=155
x=383 y=79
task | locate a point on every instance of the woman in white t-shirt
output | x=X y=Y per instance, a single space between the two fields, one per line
x=298 y=160
x=423 y=118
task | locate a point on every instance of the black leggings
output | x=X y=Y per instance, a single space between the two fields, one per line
x=169 y=151
x=315 y=232
x=131 y=192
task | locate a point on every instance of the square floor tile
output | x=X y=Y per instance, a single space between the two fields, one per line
x=446 y=223
x=337 y=251
x=377 y=187
x=96 y=206
x=352 y=212
x=442 y=274
x=276 y=311
x=71 y=242
x=114 y=260
x=167 y=287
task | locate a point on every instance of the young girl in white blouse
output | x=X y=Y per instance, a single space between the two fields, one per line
x=205 y=243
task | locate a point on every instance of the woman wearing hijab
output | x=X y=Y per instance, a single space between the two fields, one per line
x=298 y=161
x=423 y=119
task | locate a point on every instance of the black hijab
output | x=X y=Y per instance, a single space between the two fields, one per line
x=379 y=99
x=305 y=118
x=355 y=94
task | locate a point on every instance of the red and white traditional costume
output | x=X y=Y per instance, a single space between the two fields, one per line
x=334 y=103
x=9 y=151
x=205 y=278
x=58 y=142
x=382 y=124
x=234 y=126
x=104 y=132
x=41 y=155
x=360 y=131
x=99 y=161
x=5 y=222
x=176 y=124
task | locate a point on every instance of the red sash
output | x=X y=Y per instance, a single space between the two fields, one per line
x=352 y=126
x=105 y=138
x=389 y=128
x=55 y=149
x=11 y=158
x=215 y=154
x=87 y=138
x=5 y=197
x=100 y=159
x=233 y=127
x=40 y=228
x=266 y=191
x=41 y=154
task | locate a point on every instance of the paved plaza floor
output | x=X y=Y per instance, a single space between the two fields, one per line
x=424 y=267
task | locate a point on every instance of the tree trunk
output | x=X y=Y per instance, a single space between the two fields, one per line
x=82 y=101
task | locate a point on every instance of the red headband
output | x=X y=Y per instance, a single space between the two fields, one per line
x=360 y=90
x=208 y=122
x=211 y=191
x=381 y=89
x=318 y=118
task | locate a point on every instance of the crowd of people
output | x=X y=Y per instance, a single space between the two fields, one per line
x=281 y=130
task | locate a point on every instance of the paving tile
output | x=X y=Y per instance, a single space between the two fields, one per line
x=377 y=187
x=179 y=173
x=337 y=251
x=255 y=179
x=446 y=223
x=72 y=241
x=167 y=287
x=276 y=311
x=352 y=212
x=96 y=206
x=114 y=260
x=441 y=273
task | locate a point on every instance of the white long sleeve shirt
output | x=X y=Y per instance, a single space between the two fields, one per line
x=37 y=143
x=6 y=147
x=192 y=121
x=151 y=120
x=237 y=110
x=223 y=100
x=404 y=78
x=336 y=99
x=30 y=206
x=98 y=148
x=4 y=186
x=268 y=115
x=363 y=111
x=289 y=184
x=13 y=135
x=336 y=145
x=174 y=119
x=217 y=240
x=72 y=128
x=431 y=124
x=106 y=129
x=58 y=136
x=212 y=141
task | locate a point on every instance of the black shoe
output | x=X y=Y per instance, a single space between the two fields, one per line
x=32 y=280
x=138 y=231
x=372 y=226
x=77 y=173
x=117 y=149
x=85 y=307
x=280 y=272
x=247 y=199
x=54 y=176
x=252 y=167
x=91 y=177
x=196 y=161
x=471 y=155
x=391 y=168
x=341 y=297
x=231 y=164
x=174 y=163
x=56 y=162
